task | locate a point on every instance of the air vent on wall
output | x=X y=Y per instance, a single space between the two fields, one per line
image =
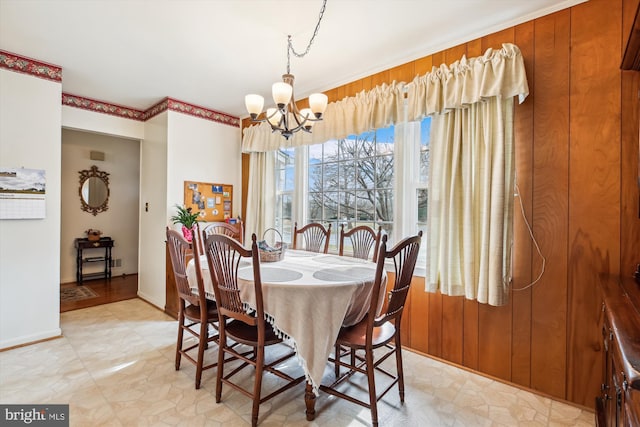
x=96 y=155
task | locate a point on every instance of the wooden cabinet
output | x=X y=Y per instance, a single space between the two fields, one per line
x=619 y=400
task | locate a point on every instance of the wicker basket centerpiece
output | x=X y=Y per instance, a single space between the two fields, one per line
x=270 y=253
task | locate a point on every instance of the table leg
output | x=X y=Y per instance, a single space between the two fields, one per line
x=310 y=401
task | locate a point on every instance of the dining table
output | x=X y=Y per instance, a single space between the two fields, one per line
x=307 y=298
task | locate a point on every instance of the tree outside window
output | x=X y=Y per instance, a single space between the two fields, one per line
x=351 y=182
x=359 y=180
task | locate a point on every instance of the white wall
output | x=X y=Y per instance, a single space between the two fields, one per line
x=177 y=148
x=203 y=151
x=153 y=212
x=30 y=122
x=120 y=221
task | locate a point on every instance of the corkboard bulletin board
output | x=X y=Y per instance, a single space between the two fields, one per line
x=214 y=202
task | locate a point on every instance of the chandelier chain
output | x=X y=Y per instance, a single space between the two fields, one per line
x=290 y=47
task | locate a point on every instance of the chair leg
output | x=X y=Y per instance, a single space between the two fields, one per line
x=372 y=387
x=400 y=372
x=202 y=343
x=180 y=334
x=257 y=386
x=337 y=358
x=222 y=346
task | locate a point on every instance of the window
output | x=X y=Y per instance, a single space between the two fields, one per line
x=284 y=171
x=422 y=186
x=350 y=182
x=377 y=178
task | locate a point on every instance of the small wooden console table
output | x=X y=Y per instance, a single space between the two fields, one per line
x=84 y=244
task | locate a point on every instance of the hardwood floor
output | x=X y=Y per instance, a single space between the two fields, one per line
x=109 y=290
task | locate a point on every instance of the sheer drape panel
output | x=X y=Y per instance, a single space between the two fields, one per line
x=470 y=211
x=377 y=108
x=261 y=196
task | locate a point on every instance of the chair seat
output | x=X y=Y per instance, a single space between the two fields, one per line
x=355 y=336
x=247 y=334
x=192 y=312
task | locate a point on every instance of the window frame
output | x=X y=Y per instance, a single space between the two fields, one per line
x=406 y=183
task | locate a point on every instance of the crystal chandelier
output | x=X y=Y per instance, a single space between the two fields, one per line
x=285 y=117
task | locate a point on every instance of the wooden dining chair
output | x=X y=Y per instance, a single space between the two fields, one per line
x=363 y=239
x=235 y=231
x=195 y=311
x=378 y=331
x=315 y=236
x=224 y=255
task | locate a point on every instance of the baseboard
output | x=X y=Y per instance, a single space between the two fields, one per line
x=30 y=339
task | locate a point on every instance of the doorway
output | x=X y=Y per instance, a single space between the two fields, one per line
x=120 y=159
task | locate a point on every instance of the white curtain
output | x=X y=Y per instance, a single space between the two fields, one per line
x=470 y=212
x=261 y=197
x=377 y=108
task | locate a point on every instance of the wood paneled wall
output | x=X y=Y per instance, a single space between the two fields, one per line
x=577 y=170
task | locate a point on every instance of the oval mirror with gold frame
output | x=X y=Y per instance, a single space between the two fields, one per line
x=94 y=190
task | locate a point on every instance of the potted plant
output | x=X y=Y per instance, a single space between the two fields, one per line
x=187 y=218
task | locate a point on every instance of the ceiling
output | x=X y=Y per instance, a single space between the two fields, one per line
x=212 y=52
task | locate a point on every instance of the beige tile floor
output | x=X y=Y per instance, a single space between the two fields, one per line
x=115 y=367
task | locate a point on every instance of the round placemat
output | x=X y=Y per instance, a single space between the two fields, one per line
x=342 y=274
x=271 y=274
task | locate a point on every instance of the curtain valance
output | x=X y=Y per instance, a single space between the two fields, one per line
x=377 y=108
x=498 y=73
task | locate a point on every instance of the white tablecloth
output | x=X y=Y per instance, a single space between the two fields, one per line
x=308 y=297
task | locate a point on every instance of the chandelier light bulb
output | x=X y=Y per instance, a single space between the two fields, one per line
x=281 y=93
x=274 y=116
x=254 y=104
x=318 y=103
x=307 y=115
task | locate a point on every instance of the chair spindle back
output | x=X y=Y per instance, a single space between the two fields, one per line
x=224 y=256
x=404 y=255
x=362 y=239
x=180 y=253
x=315 y=236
